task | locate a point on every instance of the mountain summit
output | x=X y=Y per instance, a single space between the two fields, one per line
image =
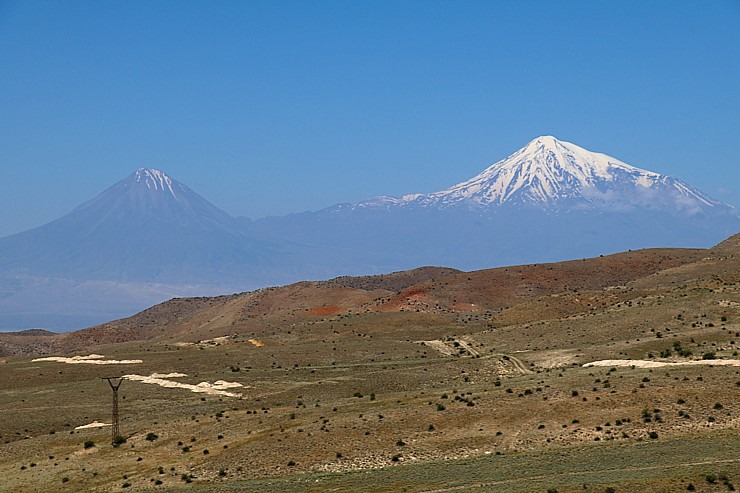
x=551 y=174
x=550 y=200
x=145 y=228
x=150 y=196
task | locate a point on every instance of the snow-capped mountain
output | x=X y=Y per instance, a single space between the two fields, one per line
x=551 y=174
x=145 y=228
x=548 y=201
x=143 y=240
x=150 y=196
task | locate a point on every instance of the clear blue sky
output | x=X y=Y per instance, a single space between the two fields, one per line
x=272 y=107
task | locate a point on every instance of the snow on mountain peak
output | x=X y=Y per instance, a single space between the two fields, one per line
x=154 y=179
x=550 y=173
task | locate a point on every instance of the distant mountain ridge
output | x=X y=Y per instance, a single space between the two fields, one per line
x=148 y=237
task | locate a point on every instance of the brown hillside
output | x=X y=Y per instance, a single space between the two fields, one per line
x=496 y=289
x=433 y=290
x=617 y=373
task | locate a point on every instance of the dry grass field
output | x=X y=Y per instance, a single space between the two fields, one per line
x=431 y=380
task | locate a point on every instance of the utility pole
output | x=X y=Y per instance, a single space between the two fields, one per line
x=115 y=383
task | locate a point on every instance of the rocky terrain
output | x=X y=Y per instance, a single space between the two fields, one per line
x=617 y=372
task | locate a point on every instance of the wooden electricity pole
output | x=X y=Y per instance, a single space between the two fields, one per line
x=115 y=383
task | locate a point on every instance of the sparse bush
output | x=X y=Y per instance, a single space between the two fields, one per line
x=709 y=355
x=653 y=435
x=151 y=436
x=119 y=440
x=89 y=444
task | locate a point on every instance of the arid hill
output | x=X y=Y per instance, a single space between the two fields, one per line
x=616 y=373
x=428 y=289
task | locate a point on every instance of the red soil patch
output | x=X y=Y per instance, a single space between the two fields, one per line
x=322 y=311
x=413 y=292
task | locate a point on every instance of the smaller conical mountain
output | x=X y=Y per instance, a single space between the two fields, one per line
x=149 y=196
x=145 y=228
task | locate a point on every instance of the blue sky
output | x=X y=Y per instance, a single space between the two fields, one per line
x=272 y=107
